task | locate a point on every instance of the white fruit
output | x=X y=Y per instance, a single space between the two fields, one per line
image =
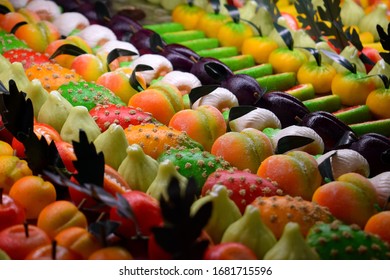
x=259 y=119
x=184 y=81
x=161 y=66
x=220 y=98
x=68 y=22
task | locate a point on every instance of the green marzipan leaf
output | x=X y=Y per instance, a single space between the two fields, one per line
x=325 y=168
x=201 y=91
x=291 y=142
x=68 y=49
x=133 y=78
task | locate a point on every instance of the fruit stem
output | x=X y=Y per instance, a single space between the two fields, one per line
x=54 y=249
x=81 y=204
x=25 y=225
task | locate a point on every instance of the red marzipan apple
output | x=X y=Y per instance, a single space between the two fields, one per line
x=11 y=213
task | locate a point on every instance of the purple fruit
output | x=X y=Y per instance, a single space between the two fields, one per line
x=373 y=146
x=179 y=61
x=333 y=131
x=286 y=107
x=210 y=71
x=142 y=41
x=244 y=87
x=123 y=27
x=183 y=50
x=132 y=13
x=69 y=5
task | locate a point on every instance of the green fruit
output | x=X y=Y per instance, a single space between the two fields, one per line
x=278 y=82
x=88 y=94
x=256 y=71
x=337 y=241
x=194 y=163
x=238 y=62
x=328 y=103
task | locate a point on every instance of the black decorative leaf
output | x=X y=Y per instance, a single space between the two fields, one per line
x=4 y=10
x=156 y=43
x=216 y=71
x=215 y=4
x=326 y=169
x=340 y=60
x=16 y=26
x=69 y=49
x=285 y=34
x=331 y=24
x=180 y=233
x=384 y=37
x=234 y=13
x=102 y=12
x=271 y=7
x=201 y=91
x=102 y=229
x=239 y=111
x=348 y=138
x=115 y=53
x=257 y=28
x=42 y=155
x=16 y=111
x=133 y=77
x=308 y=17
x=89 y=164
x=290 y=142
x=385 y=157
x=315 y=52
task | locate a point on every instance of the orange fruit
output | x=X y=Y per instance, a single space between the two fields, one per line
x=379 y=224
x=12 y=169
x=60 y=215
x=259 y=47
x=234 y=34
x=51 y=75
x=111 y=253
x=286 y=60
x=156 y=139
x=6 y=149
x=378 y=101
x=188 y=15
x=33 y=193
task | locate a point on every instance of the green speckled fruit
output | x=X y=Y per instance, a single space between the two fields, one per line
x=9 y=41
x=195 y=163
x=337 y=241
x=88 y=94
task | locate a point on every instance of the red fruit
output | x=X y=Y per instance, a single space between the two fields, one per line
x=11 y=213
x=146 y=211
x=243 y=186
x=229 y=251
x=27 y=57
x=105 y=115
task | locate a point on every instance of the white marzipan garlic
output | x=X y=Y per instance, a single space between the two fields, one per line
x=346 y=161
x=259 y=119
x=220 y=98
x=67 y=22
x=46 y=10
x=96 y=35
x=184 y=81
x=161 y=66
x=381 y=184
x=17 y=4
x=314 y=148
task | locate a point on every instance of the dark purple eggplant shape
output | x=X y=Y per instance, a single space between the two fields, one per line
x=374 y=148
x=335 y=133
x=286 y=107
x=210 y=71
x=244 y=87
